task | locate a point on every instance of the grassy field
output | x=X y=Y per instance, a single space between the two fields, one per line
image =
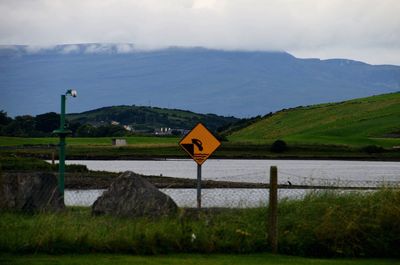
x=98 y=141
x=187 y=259
x=322 y=224
x=366 y=121
x=98 y=148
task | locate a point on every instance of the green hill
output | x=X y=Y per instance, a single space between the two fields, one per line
x=147 y=119
x=364 y=121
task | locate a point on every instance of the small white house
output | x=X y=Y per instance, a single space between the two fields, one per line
x=163 y=131
x=118 y=142
x=128 y=128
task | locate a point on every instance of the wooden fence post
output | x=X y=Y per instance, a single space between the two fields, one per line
x=273 y=210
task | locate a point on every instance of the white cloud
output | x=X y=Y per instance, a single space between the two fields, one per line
x=125 y=48
x=333 y=28
x=38 y=48
x=67 y=49
x=98 y=48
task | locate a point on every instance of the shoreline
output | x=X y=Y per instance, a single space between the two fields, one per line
x=99 y=180
x=306 y=158
x=227 y=152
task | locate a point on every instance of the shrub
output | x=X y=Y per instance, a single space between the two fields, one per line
x=372 y=149
x=76 y=168
x=221 y=137
x=19 y=163
x=279 y=146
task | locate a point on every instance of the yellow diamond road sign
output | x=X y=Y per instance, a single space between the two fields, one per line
x=199 y=143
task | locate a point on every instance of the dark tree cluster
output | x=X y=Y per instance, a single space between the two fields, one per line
x=44 y=124
x=88 y=130
x=29 y=126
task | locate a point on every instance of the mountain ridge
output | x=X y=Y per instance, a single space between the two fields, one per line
x=229 y=83
x=126 y=48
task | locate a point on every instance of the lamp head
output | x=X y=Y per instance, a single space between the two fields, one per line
x=72 y=92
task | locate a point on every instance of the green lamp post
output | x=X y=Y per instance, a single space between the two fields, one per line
x=62 y=133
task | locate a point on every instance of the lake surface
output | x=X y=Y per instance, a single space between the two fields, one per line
x=311 y=172
x=297 y=171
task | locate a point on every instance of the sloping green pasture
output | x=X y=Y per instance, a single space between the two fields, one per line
x=366 y=121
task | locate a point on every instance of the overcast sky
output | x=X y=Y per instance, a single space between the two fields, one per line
x=366 y=30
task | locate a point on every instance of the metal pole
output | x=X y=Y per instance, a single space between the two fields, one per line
x=198 y=186
x=61 y=165
x=61 y=161
x=273 y=210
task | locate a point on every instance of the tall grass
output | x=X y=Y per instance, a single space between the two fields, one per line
x=333 y=224
x=77 y=231
x=322 y=224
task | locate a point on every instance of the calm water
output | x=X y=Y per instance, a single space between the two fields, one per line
x=255 y=170
x=353 y=173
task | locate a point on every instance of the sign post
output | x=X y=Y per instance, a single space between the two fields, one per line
x=199 y=143
x=198 y=186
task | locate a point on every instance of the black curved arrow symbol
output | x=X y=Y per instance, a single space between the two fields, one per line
x=198 y=143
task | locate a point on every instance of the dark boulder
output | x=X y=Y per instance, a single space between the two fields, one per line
x=130 y=195
x=30 y=192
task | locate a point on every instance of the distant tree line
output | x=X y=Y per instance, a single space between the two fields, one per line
x=27 y=125
x=147 y=119
x=44 y=124
x=97 y=123
x=88 y=130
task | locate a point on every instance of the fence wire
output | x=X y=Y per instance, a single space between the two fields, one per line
x=255 y=176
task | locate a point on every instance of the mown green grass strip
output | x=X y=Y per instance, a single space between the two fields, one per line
x=131 y=140
x=179 y=259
